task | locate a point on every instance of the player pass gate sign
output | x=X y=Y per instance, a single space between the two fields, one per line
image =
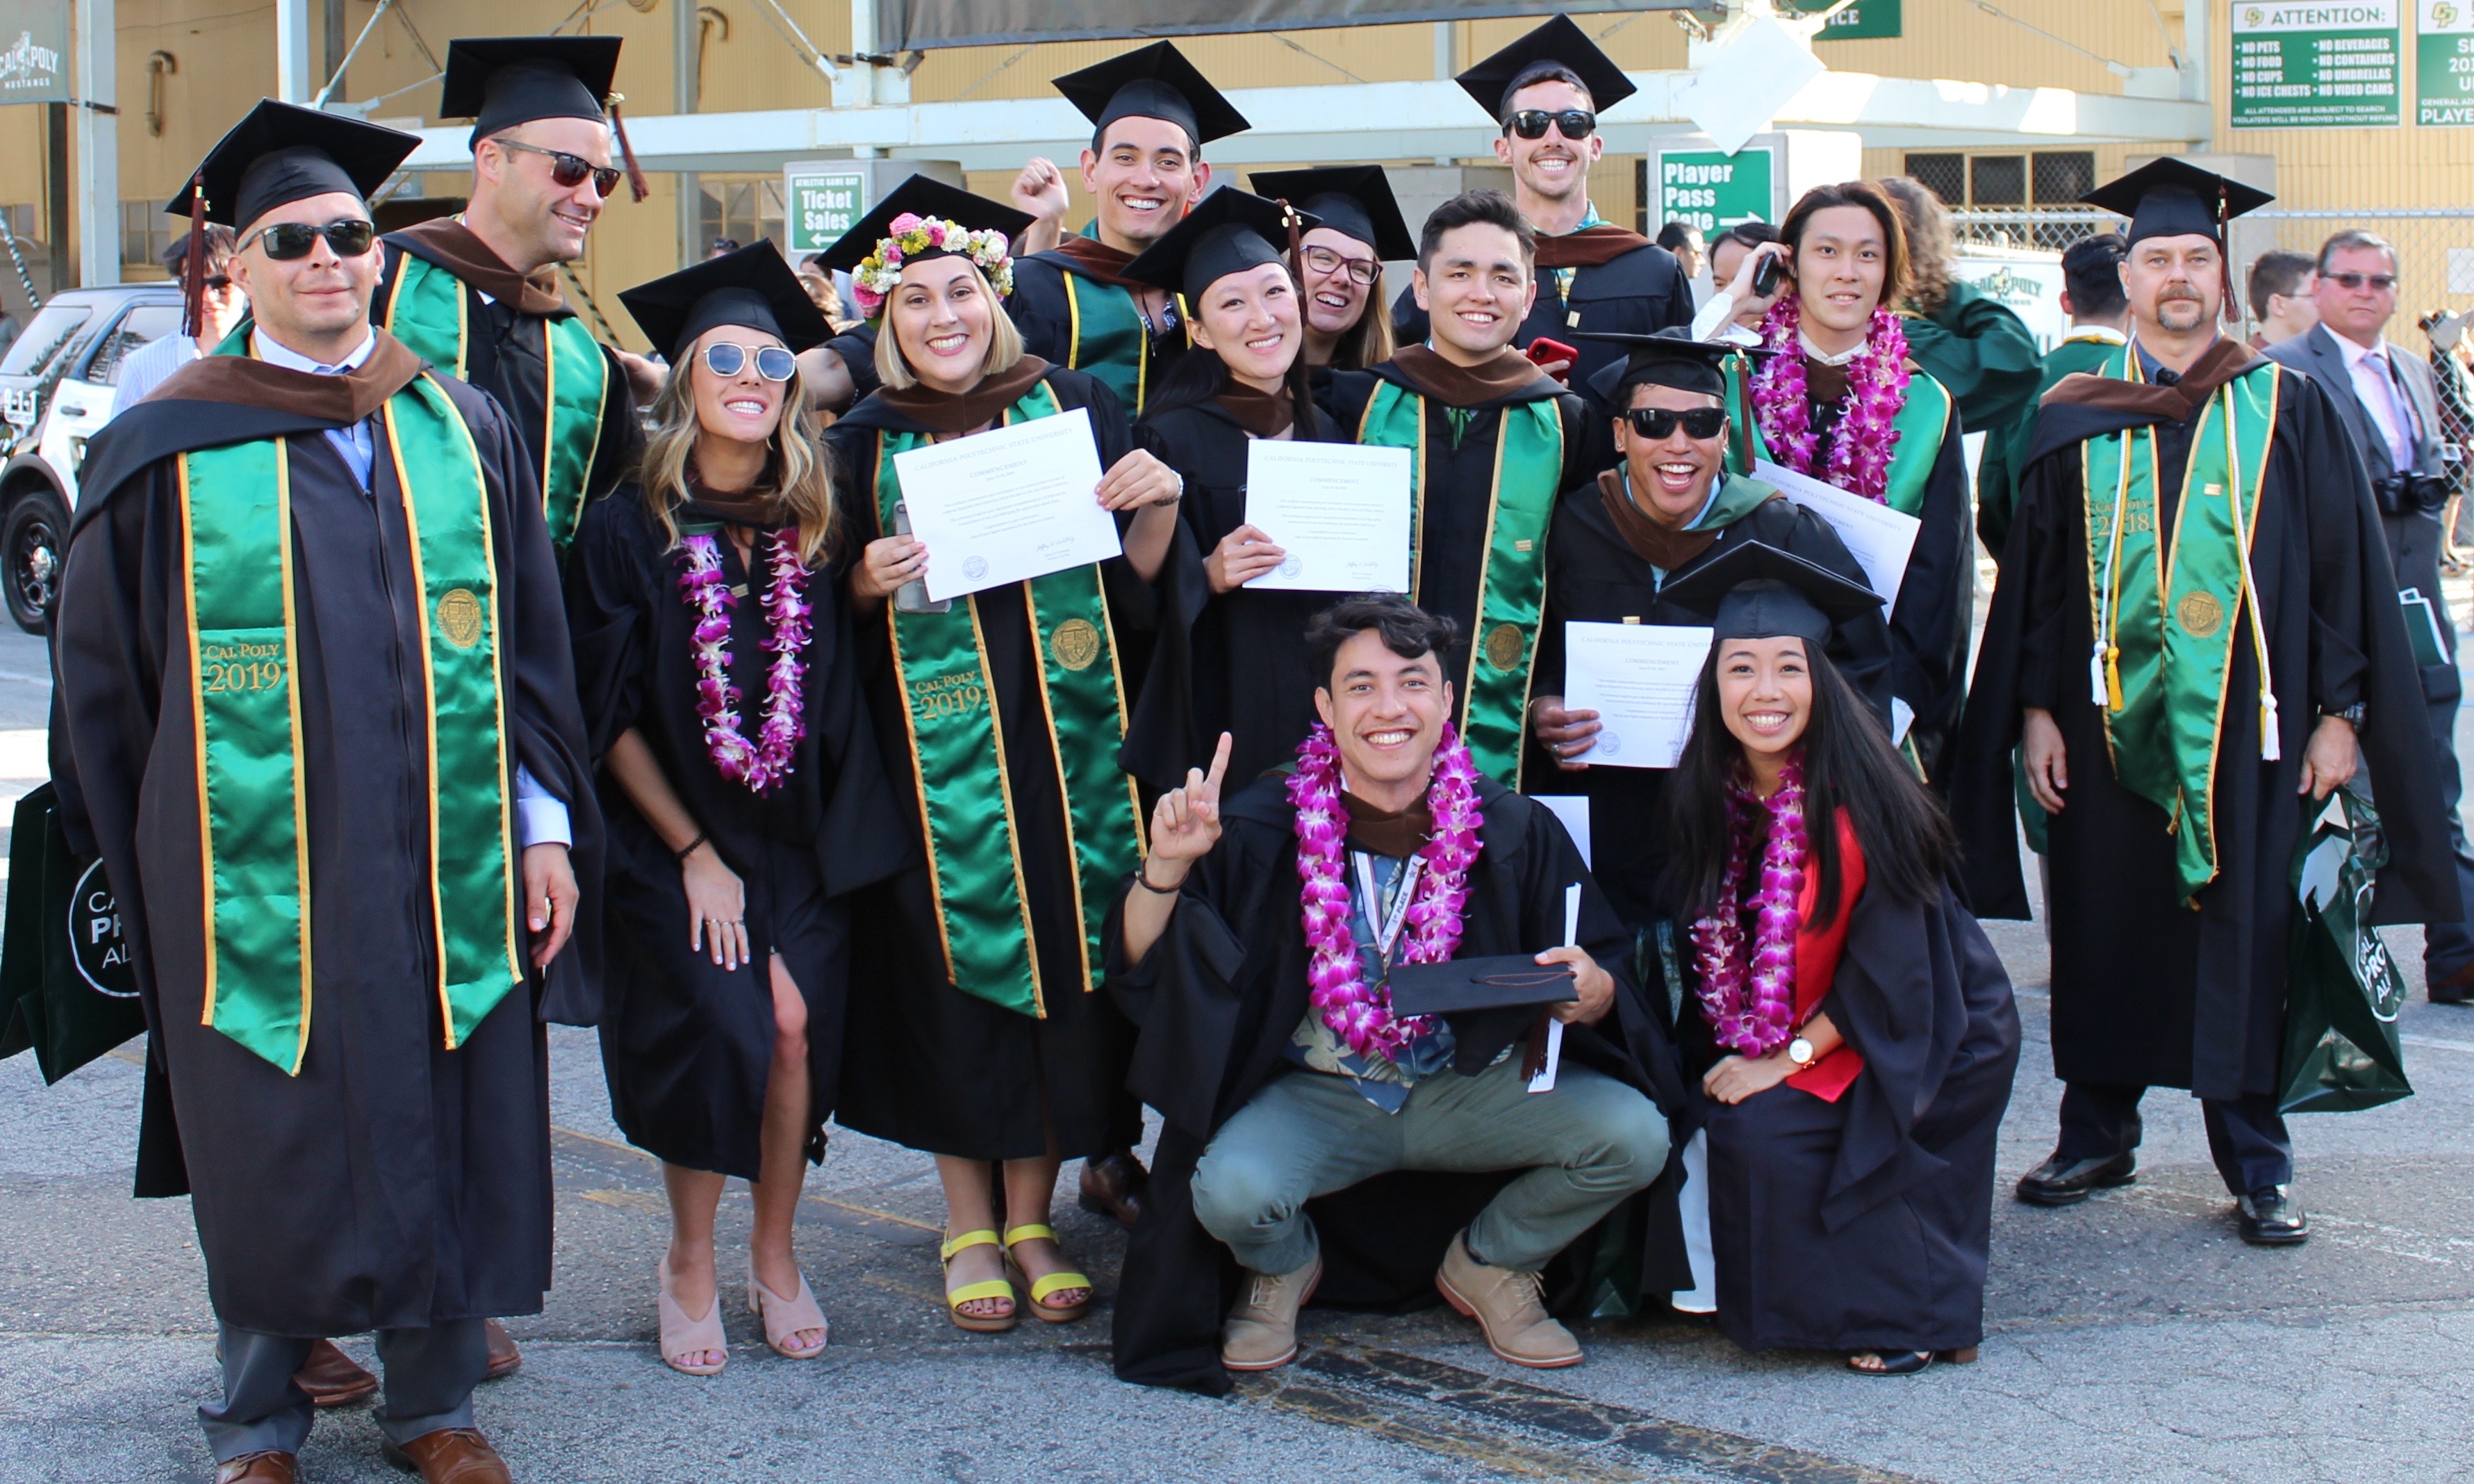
x=2443 y=62
x=1713 y=191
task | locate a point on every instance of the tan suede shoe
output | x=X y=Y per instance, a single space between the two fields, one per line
x=1508 y=1307
x=1262 y=1331
x=450 y=1455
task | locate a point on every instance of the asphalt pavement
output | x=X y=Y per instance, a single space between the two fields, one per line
x=2129 y=1338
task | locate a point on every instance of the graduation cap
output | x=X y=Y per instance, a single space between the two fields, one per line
x=2172 y=198
x=1666 y=357
x=1151 y=81
x=501 y=82
x=279 y=154
x=1557 y=44
x=1355 y=200
x=1497 y=982
x=1229 y=232
x=752 y=288
x=1756 y=590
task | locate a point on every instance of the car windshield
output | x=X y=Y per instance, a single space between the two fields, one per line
x=36 y=348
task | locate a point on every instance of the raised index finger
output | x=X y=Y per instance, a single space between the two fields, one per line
x=1219 y=766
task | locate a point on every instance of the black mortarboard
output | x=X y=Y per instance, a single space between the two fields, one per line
x=1557 y=44
x=1756 y=590
x=1151 y=81
x=1355 y=200
x=752 y=288
x=1497 y=982
x=1229 y=232
x=501 y=82
x=1666 y=357
x=279 y=154
x=2172 y=198
x=924 y=196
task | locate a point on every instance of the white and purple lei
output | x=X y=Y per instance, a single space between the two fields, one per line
x=765 y=763
x=1867 y=433
x=1749 y=997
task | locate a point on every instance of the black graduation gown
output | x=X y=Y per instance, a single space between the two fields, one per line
x=1218 y=997
x=687 y=1045
x=391 y=1183
x=1594 y=577
x=1458 y=501
x=1247 y=649
x=1638 y=293
x=926 y=1065
x=1865 y=1223
x=2145 y=990
x=857 y=347
x=1042 y=313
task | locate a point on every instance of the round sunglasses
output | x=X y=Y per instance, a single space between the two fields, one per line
x=285 y=242
x=1530 y=122
x=570 y=170
x=772 y=362
x=1704 y=423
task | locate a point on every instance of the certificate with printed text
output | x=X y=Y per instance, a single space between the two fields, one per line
x=1639 y=679
x=1338 y=510
x=1008 y=504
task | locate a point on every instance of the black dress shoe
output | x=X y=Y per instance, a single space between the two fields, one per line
x=2267 y=1218
x=1114 y=1187
x=2063 y=1180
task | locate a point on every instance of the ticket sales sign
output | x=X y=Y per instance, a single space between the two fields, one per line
x=2443 y=62
x=2316 y=66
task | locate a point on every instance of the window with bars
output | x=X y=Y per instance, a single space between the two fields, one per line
x=145 y=231
x=2047 y=178
x=741 y=208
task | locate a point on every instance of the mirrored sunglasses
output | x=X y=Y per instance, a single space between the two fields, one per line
x=1530 y=122
x=285 y=242
x=772 y=362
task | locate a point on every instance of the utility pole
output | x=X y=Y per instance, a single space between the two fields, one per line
x=98 y=144
x=687 y=49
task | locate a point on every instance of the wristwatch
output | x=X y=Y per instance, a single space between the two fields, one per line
x=1800 y=1051
x=2352 y=715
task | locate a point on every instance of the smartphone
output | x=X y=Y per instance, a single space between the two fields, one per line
x=1766 y=275
x=913 y=596
x=1542 y=350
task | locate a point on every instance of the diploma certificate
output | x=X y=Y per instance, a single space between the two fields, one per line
x=1340 y=510
x=1879 y=537
x=1639 y=679
x=1008 y=504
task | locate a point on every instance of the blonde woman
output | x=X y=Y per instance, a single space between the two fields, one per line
x=742 y=786
x=977 y=1031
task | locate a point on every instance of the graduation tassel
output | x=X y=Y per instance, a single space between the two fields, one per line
x=193 y=261
x=636 y=185
x=2272 y=747
x=2113 y=677
x=2099 y=671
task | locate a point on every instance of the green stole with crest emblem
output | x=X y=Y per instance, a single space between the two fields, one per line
x=967 y=810
x=240 y=620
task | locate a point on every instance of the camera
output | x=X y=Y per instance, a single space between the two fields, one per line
x=2400 y=493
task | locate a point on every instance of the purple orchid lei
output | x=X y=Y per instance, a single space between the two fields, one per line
x=1877 y=388
x=1360 y=1016
x=1749 y=997
x=765 y=764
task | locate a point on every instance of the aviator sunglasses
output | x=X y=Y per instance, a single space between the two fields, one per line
x=772 y=362
x=287 y=240
x=1659 y=422
x=2380 y=281
x=567 y=170
x=1530 y=122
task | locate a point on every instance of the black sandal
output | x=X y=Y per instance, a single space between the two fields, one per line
x=1893 y=1362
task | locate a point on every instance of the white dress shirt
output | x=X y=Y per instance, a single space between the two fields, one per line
x=2378 y=386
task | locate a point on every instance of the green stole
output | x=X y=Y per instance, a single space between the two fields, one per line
x=239 y=605
x=2164 y=614
x=966 y=804
x=1922 y=422
x=1106 y=337
x=1512 y=568
x=426 y=311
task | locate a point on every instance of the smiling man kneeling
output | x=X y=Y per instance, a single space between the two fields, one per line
x=1258 y=946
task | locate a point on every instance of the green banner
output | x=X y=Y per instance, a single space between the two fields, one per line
x=2316 y=65
x=1713 y=191
x=1866 y=20
x=2443 y=62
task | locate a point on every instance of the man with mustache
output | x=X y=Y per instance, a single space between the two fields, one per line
x=1545 y=91
x=2194 y=639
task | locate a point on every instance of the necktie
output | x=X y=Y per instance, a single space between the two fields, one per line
x=2401 y=402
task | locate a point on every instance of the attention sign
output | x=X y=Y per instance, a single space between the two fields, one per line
x=2316 y=65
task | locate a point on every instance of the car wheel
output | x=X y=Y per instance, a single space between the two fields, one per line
x=34 y=541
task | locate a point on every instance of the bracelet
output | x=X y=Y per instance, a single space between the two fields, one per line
x=681 y=855
x=1143 y=879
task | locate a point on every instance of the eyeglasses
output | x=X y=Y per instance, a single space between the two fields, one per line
x=772 y=362
x=2382 y=281
x=1530 y=122
x=287 y=240
x=1659 y=422
x=217 y=282
x=1362 y=271
x=570 y=170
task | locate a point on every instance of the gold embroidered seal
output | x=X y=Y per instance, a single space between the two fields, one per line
x=1075 y=644
x=459 y=618
x=2200 y=614
x=1503 y=646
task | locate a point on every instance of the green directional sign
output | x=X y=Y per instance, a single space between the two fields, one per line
x=2443 y=62
x=2316 y=65
x=819 y=206
x=1713 y=191
x=1866 y=20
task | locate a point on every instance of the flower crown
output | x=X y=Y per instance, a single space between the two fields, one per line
x=872 y=282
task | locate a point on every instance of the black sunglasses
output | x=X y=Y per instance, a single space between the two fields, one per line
x=1659 y=422
x=1530 y=122
x=287 y=240
x=217 y=282
x=1362 y=271
x=570 y=170
x=2383 y=281
x=772 y=362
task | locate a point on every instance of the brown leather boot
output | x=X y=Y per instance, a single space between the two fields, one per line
x=256 y=1469
x=1508 y=1308
x=504 y=1358
x=332 y=1378
x=450 y=1455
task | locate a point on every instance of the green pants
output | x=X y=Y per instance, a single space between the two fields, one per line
x=1585 y=1146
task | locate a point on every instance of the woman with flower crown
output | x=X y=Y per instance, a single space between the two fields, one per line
x=1851 y=1038
x=977 y=1031
x=1842 y=401
x=742 y=786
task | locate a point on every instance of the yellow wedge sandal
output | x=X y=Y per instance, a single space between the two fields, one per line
x=1054 y=1283
x=971 y=1293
